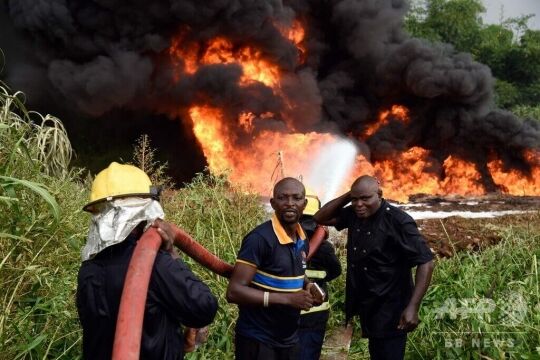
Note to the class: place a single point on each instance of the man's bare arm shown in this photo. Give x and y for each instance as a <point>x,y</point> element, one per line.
<point>239,291</point>
<point>409,318</point>
<point>327,215</point>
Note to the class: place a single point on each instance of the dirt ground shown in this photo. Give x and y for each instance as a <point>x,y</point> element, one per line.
<point>455,233</point>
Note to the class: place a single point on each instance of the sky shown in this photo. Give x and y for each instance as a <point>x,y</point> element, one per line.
<point>512,8</point>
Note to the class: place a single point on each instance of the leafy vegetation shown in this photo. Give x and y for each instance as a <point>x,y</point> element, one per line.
<point>40,235</point>
<point>524,111</point>
<point>42,229</point>
<point>144,158</point>
<point>218,216</point>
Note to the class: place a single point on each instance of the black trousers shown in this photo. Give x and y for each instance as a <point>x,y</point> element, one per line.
<point>311,334</point>
<point>251,349</point>
<point>387,348</point>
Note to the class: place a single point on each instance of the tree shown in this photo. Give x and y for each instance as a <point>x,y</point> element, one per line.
<point>455,22</point>
<point>495,42</point>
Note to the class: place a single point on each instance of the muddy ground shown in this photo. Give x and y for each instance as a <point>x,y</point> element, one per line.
<point>455,233</point>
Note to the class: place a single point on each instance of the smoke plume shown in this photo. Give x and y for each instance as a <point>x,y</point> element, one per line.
<point>100,56</point>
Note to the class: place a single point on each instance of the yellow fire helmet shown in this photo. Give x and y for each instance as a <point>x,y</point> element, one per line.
<point>313,202</point>
<point>120,180</point>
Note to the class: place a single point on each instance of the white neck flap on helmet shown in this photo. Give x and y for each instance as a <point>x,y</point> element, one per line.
<point>116,219</point>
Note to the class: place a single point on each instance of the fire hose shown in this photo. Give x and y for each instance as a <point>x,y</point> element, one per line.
<point>320,234</point>
<point>127,338</point>
<point>199,253</point>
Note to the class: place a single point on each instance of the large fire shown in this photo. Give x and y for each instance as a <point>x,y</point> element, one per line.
<point>259,157</point>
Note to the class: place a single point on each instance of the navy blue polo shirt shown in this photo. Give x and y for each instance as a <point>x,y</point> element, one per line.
<point>280,265</point>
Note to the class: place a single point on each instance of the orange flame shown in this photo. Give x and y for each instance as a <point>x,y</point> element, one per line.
<point>407,174</point>
<point>184,55</point>
<point>461,178</point>
<point>296,33</point>
<point>515,183</point>
<point>411,172</point>
<point>221,51</point>
<point>212,134</point>
<point>252,166</point>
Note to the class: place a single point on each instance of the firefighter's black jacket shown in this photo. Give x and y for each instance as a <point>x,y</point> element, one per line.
<point>175,296</point>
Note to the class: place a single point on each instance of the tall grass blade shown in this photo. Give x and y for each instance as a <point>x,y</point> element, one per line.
<point>36,188</point>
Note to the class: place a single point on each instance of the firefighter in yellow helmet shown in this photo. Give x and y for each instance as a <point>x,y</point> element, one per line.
<point>122,197</point>
<point>123,204</point>
<point>324,266</point>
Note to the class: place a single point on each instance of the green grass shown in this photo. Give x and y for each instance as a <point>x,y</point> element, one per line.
<point>481,305</point>
<point>484,305</point>
<point>218,216</point>
<point>41,233</point>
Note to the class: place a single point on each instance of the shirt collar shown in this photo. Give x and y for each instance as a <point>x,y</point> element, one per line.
<point>282,234</point>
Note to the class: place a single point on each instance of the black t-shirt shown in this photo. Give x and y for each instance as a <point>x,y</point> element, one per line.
<point>281,265</point>
<point>381,250</point>
<point>175,296</point>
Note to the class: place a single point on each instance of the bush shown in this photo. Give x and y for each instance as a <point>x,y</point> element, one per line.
<point>531,112</point>
<point>484,305</point>
<point>506,94</point>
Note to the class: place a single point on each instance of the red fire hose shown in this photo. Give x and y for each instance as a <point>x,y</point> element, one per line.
<point>127,338</point>
<point>321,233</point>
<point>198,253</point>
<point>210,261</point>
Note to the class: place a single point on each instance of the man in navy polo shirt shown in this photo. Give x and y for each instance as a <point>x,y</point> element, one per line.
<point>268,280</point>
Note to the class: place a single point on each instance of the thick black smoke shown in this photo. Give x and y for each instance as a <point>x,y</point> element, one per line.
<point>102,56</point>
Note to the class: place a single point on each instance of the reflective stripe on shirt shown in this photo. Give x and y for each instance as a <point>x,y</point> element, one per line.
<point>315,274</point>
<point>278,283</point>
<point>324,306</point>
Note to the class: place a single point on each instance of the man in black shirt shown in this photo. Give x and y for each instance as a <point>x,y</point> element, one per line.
<point>122,204</point>
<point>383,244</point>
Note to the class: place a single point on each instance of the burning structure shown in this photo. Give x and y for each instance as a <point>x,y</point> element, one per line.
<point>251,78</point>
